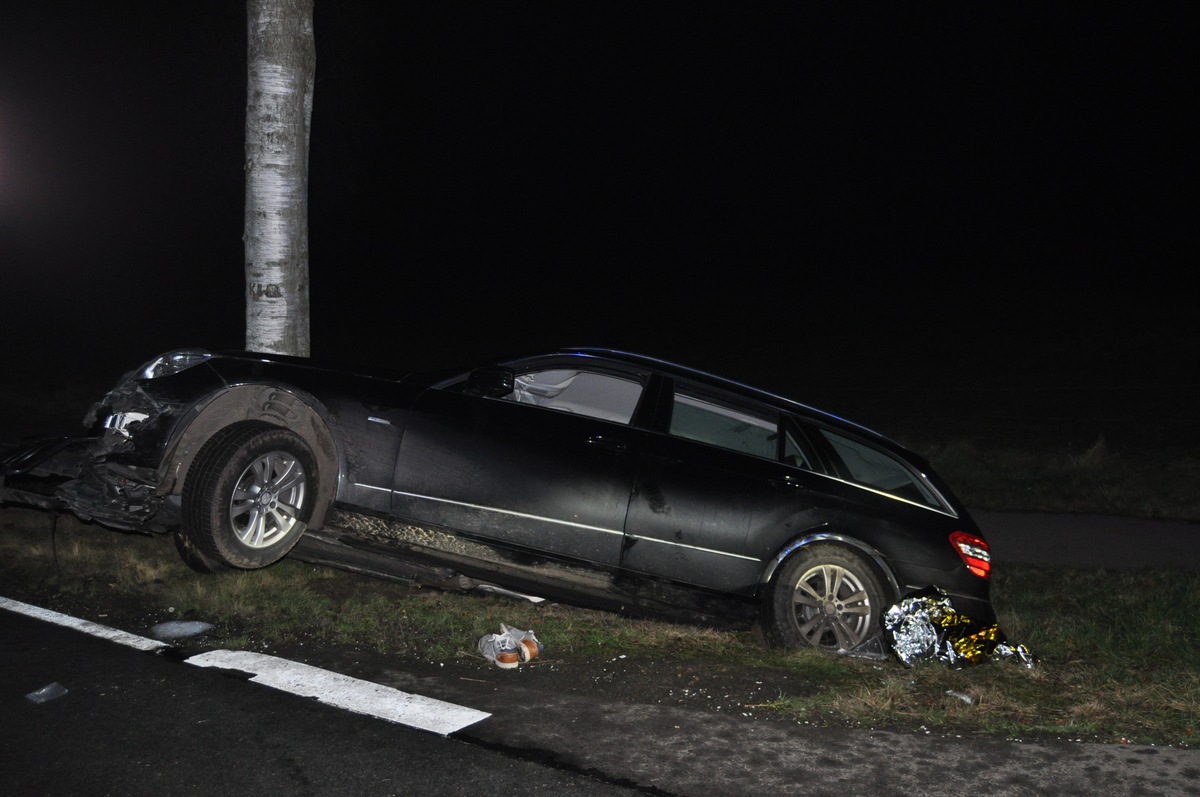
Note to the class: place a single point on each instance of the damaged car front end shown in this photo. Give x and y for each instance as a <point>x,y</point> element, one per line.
<point>112,475</point>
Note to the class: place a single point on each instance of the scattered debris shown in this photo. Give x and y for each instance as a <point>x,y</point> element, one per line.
<point>501,649</point>
<point>510,647</point>
<point>872,648</point>
<point>492,589</point>
<point>179,629</point>
<point>47,693</point>
<point>963,696</point>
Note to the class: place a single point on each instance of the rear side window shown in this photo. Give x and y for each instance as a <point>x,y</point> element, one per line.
<point>881,471</point>
<point>738,429</point>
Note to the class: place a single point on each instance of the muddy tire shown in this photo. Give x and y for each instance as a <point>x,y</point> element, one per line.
<point>249,495</point>
<point>193,557</point>
<point>824,596</point>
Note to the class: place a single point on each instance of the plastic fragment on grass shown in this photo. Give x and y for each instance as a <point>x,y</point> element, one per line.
<point>926,627</point>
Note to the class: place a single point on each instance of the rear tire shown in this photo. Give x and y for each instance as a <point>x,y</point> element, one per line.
<point>824,596</point>
<point>249,495</point>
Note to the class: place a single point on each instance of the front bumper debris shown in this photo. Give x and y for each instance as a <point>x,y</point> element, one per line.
<point>70,474</point>
<point>33,473</point>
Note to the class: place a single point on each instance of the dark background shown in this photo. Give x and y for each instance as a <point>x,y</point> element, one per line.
<point>969,205</point>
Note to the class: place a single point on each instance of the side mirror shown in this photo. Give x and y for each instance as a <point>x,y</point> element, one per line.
<point>493,381</point>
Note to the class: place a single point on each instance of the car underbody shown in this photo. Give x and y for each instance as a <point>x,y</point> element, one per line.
<point>392,549</point>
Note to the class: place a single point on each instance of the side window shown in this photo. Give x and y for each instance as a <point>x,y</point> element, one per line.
<point>597,395</point>
<point>724,425</point>
<point>871,467</point>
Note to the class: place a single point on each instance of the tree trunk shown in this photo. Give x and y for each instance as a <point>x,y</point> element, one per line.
<point>279,94</point>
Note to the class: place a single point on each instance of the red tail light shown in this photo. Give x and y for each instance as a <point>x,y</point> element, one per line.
<point>974,552</point>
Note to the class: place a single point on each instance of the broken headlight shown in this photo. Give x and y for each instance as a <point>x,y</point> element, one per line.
<point>172,363</point>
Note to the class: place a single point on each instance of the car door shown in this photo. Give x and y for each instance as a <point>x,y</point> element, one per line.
<point>720,491</point>
<point>549,467</point>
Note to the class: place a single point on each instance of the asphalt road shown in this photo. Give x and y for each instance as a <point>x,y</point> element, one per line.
<point>135,723</point>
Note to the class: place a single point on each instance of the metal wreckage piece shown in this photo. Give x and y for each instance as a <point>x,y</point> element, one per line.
<point>926,627</point>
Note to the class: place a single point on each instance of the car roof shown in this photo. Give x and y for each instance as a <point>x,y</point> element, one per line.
<point>677,370</point>
<point>628,358</point>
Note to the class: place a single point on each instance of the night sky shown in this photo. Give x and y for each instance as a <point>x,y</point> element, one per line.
<point>795,196</point>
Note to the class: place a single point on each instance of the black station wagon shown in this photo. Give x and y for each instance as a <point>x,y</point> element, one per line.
<point>585,474</point>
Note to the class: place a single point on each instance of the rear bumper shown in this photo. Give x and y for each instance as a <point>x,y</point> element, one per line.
<point>969,594</point>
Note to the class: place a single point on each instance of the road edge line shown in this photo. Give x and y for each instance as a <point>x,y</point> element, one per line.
<point>86,626</point>
<point>304,680</point>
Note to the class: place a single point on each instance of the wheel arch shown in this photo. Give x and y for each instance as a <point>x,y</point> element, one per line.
<point>871,555</point>
<point>272,405</point>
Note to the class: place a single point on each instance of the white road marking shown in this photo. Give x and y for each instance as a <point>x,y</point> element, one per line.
<point>86,626</point>
<point>335,689</point>
<point>343,691</point>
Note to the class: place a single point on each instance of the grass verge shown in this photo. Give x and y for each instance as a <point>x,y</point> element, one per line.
<point>1119,658</point>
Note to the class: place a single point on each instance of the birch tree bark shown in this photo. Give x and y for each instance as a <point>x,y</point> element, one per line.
<point>279,95</point>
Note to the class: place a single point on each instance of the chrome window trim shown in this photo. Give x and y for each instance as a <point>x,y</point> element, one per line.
<point>947,511</point>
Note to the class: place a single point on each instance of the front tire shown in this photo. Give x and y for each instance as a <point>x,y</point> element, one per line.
<point>825,596</point>
<point>249,495</point>
<point>193,557</point>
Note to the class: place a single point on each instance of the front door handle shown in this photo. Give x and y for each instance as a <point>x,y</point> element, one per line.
<point>604,441</point>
